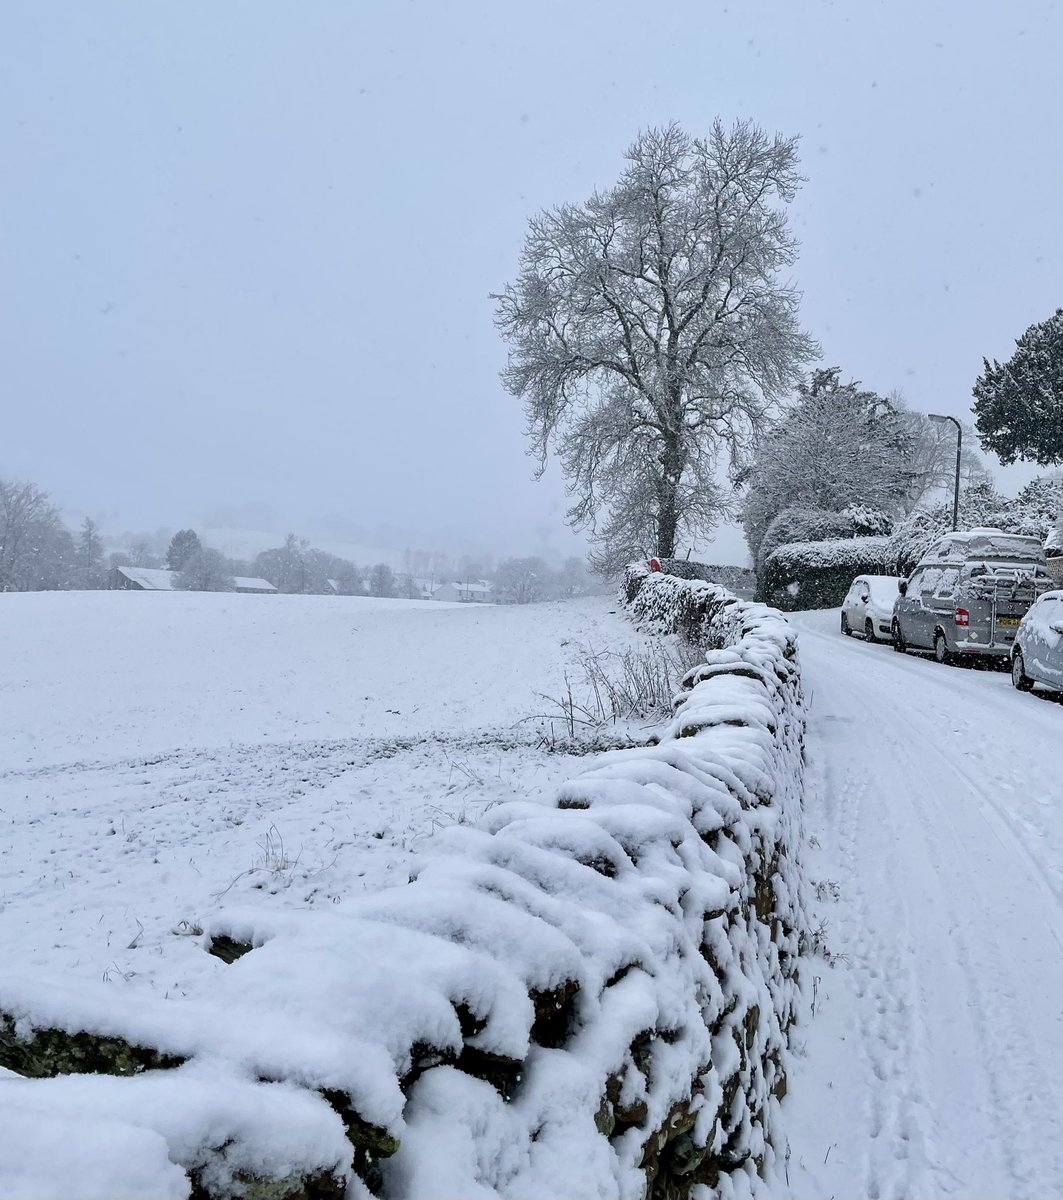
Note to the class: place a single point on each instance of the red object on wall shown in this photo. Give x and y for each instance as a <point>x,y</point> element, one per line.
<point>655,564</point>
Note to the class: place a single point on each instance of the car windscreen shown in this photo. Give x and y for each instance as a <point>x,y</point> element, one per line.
<point>883,590</point>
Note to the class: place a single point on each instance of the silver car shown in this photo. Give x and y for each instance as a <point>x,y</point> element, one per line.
<point>1037,656</point>
<point>968,593</point>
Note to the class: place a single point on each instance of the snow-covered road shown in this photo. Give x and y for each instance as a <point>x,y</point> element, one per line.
<point>934,1064</point>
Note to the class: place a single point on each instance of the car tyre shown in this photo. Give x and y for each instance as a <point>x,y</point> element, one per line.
<point>942,653</point>
<point>899,643</point>
<point>845,626</point>
<point>869,630</point>
<point>1018,673</point>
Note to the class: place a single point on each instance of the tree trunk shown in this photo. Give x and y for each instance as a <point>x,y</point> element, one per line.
<point>667,501</point>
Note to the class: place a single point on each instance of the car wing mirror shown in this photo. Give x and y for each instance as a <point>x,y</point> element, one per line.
<point>902,586</point>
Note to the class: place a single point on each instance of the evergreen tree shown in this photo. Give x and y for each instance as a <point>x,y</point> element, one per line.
<point>1019,406</point>
<point>183,545</point>
<point>90,554</point>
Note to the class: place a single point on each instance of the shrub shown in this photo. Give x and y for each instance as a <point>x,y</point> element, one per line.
<point>818,574</point>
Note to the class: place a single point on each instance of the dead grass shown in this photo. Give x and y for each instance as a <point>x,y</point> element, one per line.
<point>611,687</point>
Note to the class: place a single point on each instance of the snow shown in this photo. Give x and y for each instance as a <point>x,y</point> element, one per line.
<point>189,672</point>
<point>151,579</point>
<point>839,552</point>
<point>158,579</point>
<point>292,753</point>
<point>990,544</point>
<point>883,589</point>
<point>252,583</point>
<point>601,885</point>
<point>44,1156</point>
<point>196,802</point>
<point>935,822</point>
<point>216,1125</point>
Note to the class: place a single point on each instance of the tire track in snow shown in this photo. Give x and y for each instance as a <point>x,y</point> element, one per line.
<point>894,1160</point>
<point>994,997</point>
<point>949,918</point>
<point>926,676</point>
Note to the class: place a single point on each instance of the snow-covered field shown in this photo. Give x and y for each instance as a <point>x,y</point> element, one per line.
<point>933,1064</point>
<point>161,754</point>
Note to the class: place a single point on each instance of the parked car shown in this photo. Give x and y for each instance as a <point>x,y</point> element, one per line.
<point>1037,656</point>
<point>868,606</point>
<point>968,594</point>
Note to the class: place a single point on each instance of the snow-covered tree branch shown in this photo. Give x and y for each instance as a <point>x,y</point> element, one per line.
<point>650,333</point>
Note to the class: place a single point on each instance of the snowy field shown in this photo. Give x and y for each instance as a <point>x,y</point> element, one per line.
<point>932,1066</point>
<point>162,754</point>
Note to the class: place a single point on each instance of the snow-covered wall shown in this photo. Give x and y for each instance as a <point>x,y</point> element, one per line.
<point>589,998</point>
<point>741,581</point>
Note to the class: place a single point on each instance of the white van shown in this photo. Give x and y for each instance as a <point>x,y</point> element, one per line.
<point>968,594</point>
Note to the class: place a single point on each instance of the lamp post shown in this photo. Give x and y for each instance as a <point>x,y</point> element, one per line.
<point>938,419</point>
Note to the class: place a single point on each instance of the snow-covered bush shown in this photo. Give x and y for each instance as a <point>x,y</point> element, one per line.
<point>586,998</point>
<point>1038,508</point>
<point>805,575</point>
<point>802,525</point>
<point>799,525</point>
<point>1032,513</point>
<point>868,522</point>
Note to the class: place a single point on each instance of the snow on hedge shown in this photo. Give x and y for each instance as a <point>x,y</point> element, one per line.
<point>848,552</point>
<point>585,998</point>
<point>805,575</point>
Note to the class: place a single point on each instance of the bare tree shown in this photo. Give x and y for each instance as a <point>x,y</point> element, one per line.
<point>521,580</point>
<point>205,570</point>
<point>35,550</point>
<point>931,465</point>
<point>382,580</point>
<point>649,331</point>
<point>140,553</point>
<point>286,566</point>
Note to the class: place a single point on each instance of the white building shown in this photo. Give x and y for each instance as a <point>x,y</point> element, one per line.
<point>158,579</point>
<point>465,591</point>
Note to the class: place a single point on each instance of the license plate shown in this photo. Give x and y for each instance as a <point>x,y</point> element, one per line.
<point>1008,620</point>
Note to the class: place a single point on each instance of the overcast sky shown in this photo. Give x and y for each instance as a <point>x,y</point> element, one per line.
<point>246,247</point>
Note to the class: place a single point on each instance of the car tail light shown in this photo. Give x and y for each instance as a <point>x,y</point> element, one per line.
<point>963,617</point>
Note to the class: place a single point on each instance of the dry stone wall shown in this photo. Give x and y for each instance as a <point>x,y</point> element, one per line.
<point>588,998</point>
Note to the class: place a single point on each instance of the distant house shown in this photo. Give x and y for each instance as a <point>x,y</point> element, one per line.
<point>252,585</point>
<point>467,591</point>
<point>158,579</point>
<point>142,579</point>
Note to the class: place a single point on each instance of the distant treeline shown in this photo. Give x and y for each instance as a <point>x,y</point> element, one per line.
<point>39,553</point>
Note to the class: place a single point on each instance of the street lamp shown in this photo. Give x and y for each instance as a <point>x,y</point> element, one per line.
<point>938,419</point>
